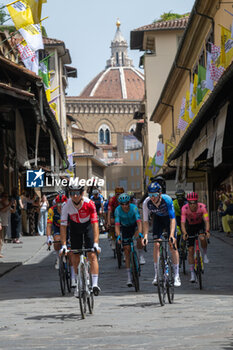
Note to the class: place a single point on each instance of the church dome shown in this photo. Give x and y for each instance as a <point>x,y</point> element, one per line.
<point>119,80</point>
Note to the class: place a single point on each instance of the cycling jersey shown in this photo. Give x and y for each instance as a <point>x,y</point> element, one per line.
<point>98,201</point>
<point>165,208</point>
<point>196,217</point>
<point>86,213</point>
<point>54,218</point>
<point>129,218</point>
<point>112,204</point>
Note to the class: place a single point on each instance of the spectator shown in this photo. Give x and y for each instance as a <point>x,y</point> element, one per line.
<point>36,211</point>
<point>226,197</point>
<point>16,205</point>
<point>5,211</point>
<point>42,224</point>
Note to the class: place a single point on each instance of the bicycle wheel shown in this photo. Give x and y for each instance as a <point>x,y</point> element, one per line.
<point>161,280</point>
<point>118,254</point>
<point>82,291</point>
<point>134,270</point>
<point>62,276</point>
<point>68,275</point>
<point>90,298</point>
<point>199,270</point>
<point>170,282</point>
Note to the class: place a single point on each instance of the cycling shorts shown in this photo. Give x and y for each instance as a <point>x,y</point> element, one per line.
<point>193,230</point>
<point>161,224</point>
<point>78,231</point>
<point>128,232</point>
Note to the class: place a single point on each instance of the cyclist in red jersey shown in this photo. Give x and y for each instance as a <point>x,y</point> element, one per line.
<point>195,219</point>
<point>83,222</point>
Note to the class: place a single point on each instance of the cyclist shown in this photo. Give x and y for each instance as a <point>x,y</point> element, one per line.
<point>53,225</point>
<point>161,181</point>
<point>112,204</point>
<point>195,216</point>
<point>133,200</point>
<point>178,204</point>
<point>98,199</point>
<point>83,222</point>
<point>127,215</point>
<point>161,207</point>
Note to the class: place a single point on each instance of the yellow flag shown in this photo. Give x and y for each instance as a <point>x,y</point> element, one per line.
<point>53,106</point>
<point>21,14</point>
<point>36,8</point>
<point>194,97</point>
<point>226,47</point>
<point>186,111</point>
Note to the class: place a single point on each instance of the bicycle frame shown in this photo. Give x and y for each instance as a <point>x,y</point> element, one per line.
<point>134,263</point>
<point>198,261</point>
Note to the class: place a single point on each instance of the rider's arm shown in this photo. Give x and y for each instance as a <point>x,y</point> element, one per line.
<point>206,219</point>
<point>145,219</point>
<point>183,220</point>
<point>49,222</point>
<point>109,211</point>
<point>172,227</point>
<point>138,220</point>
<point>172,216</point>
<point>94,221</point>
<point>117,221</point>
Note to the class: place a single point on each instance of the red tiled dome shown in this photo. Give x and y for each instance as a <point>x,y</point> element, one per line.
<point>116,83</point>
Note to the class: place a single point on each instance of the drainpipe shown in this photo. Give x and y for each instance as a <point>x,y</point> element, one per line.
<point>206,16</point>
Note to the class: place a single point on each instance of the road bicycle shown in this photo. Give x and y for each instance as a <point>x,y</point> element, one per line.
<point>86,295</point>
<point>119,254</point>
<point>165,273</point>
<point>134,263</point>
<point>64,274</point>
<point>198,261</point>
<point>64,271</point>
<point>183,253</point>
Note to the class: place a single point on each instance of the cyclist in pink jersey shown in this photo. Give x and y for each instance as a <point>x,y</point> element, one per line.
<point>195,219</point>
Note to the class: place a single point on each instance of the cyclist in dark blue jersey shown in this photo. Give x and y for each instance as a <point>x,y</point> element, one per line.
<point>162,209</point>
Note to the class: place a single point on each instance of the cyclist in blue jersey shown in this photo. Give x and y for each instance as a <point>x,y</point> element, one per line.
<point>127,216</point>
<point>161,207</point>
<point>98,199</point>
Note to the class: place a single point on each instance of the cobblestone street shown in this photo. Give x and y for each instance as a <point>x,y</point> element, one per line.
<point>36,316</point>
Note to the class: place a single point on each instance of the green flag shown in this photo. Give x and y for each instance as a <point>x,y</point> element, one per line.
<point>44,72</point>
<point>201,85</point>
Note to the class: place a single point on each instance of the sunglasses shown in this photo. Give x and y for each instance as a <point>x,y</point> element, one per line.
<point>125,203</point>
<point>192,202</point>
<point>77,193</point>
<point>153,194</point>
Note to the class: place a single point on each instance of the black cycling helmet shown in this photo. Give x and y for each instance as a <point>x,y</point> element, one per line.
<point>180,193</point>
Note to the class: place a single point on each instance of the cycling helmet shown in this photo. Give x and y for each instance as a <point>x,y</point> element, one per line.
<point>154,187</point>
<point>119,190</point>
<point>131,194</point>
<point>192,196</point>
<point>76,188</point>
<point>180,193</point>
<point>95,191</point>
<point>124,198</point>
<point>61,198</point>
<point>111,195</point>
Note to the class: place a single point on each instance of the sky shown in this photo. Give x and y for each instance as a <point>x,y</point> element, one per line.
<point>88,27</point>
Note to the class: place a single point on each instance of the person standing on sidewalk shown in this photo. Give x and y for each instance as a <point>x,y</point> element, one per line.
<point>5,211</point>
<point>16,205</point>
<point>42,222</point>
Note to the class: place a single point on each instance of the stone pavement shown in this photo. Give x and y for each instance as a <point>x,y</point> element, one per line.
<point>18,254</point>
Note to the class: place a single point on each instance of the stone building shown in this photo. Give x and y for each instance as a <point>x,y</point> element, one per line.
<point>106,106</point>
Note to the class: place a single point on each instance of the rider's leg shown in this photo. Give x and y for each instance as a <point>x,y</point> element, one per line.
<point>191,262</point>
<point>127,264</point>
<point>204,248</point>
<point>57,247</point>
<point>94,268</point>
<point>140,250</point>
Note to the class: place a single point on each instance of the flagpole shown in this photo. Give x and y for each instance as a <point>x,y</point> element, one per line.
<point>8,37</point>
<point>12,3</point>
<point>228,12</point>
<point>47,57</point>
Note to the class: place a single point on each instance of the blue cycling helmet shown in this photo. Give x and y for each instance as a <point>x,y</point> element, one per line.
<point>123,198</point>
<point>154,187</point>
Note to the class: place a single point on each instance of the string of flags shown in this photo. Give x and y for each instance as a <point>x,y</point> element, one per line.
<point>217,60</point>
